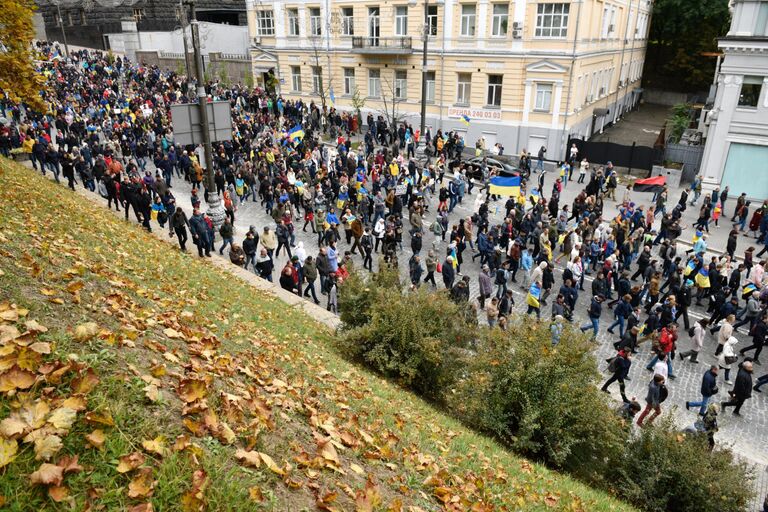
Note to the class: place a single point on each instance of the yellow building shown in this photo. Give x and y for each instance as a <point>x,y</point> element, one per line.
<point>527,73</point>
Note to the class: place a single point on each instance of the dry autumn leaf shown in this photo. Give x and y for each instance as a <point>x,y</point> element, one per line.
<point>173,333</point>
<point>8,450</point>
<point>130,462</point>
<point>96,439</point>
<point>86,331</point>
<point>248,458</point>
<point>48,474</point>
<point>63,418</point>
<point>143,507</point>
<point>95,418</point>
<point>142,485</point>
<point>85,382</point>
<point>46,447</point>
<point>152,392</point>
<point>34,327</point>
<point>16,378</point>
<point>58,493</point>
<point>255,494</point>
<point>156,445</point>
<point>270,463</point>
<point>327,451</point>
<point>70,464</point>
<point>194,499</point>
<point>191,390</point>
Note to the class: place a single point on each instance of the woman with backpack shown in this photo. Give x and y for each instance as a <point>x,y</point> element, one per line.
<point>619,367</point>
<point>697,339</point>
<point>657,393</point>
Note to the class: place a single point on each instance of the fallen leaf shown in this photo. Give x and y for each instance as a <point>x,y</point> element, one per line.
<point>16,378</point>
<point>191,390</point>
<point>63,418</point>
<point>41,347</point>
<point>70,464</point>
<point>58,493</point>
<point>95,418</point>
<point>143,507</point>
<point>48,474</point>
<point>75,286</point>
<point>194,499</point>
<point>85,382</point>
<point>357,469</point>
<point>551,500</point>
<point>248,458</point>
<point>34,327</point>
<point>270,463</point>
<point>86,331</point>
<point>12,427</point>
<point>96,439</point>
<point>76,403</point>
<point>152,392</point>
<point>255,494</point>
<point>46,447</point>
<point>130,462</point>
<point>173,333</point>
<point>142,485</point>
<point>156,445</point>
<point>8,450</point>
<point>327,451</point>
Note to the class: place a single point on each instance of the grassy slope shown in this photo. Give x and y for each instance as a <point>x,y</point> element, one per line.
<point>272,378</point>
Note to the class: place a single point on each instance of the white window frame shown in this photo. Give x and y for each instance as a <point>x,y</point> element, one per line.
<point>401,84</point>
<point>432,20</point>
<point>468,20</point>
<point>265,20</point>
<point>315,22</point>
<point>430,96</point>
<point>464,88</point>
<point>500,21</point>
<point>543,96</point>
<point>546,15</point>
<point>295,78</point>
<point>349,82</point>
<point>761,21</point>
<point>401,20</point>
<point>317,79</point>
<point>494,91</point>
<point>347,21</point>
<point>294,27</point>
<point>374,83</point>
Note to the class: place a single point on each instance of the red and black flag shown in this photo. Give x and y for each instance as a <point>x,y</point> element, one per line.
<point>654,184</point>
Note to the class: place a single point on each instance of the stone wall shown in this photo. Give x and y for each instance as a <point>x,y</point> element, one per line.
<point>235,67</point>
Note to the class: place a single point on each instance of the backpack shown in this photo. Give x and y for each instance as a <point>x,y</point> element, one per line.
<point>501,277</point>
<point>613,364</point>
<point>663,393</point>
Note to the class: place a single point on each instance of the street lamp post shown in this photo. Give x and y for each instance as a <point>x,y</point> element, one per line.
<point>63,32</point>
<point>425,41</point>
<point>215,208</point>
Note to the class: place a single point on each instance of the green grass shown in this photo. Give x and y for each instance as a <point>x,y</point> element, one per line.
<point>258,339</point>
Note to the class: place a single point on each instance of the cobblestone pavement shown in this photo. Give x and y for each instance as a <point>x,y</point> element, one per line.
<point>747,435</point>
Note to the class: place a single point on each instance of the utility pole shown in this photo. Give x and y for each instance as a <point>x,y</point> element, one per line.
<point>63,32</point>
<point>424,72</point>
<point>215,208</point>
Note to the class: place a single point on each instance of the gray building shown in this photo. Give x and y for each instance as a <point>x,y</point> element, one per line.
<point>87,21</point>
<point>736,151</point>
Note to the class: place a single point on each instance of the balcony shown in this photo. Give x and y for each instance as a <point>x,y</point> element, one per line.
<point>382,45</point>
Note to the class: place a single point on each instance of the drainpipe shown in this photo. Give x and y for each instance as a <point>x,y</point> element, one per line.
<point>563,137</point>
<point>442,73</point>
<point>621,64</point>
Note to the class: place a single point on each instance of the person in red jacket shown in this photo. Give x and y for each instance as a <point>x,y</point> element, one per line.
<point>667,342</point>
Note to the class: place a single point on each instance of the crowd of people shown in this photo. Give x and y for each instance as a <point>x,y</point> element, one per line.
<point>109,129</point>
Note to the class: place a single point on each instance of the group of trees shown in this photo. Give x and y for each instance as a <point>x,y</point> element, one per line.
<point>18,79</point>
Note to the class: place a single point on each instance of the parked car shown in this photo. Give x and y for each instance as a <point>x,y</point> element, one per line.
<point>502,168</point>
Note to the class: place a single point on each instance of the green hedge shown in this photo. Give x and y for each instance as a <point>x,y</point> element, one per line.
<point>541,401</point>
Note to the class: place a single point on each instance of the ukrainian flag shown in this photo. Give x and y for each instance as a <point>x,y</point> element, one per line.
<point>702,278</point>
<point>465,119</point>
<point>505,186</point>
<point>689,267</point>
<point>296,133</point>
<point>748,289</point>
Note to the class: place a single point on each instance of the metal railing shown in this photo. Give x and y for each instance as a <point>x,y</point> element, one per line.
<point>384,43</point>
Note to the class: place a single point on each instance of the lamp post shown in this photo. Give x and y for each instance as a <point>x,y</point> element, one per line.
<point>215,208</point>
<point>425,41</point>
<point>61,24</point>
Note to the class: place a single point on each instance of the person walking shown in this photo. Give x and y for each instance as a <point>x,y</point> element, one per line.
<point>657,393</point>
<point>758,333</point>
<point>708,390</point>
<point>697,341</point>
<point>727,357</point>
<point>594,312</point>
<point>742,389</point>
<point>619,366</point>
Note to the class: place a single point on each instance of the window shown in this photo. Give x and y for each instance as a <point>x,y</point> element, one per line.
<point>374,83</point>
<point>761,28</point>
<point>296,78</point>
<point>468,20</point>
<point>401,20</point>
<point>500,20</point>
<point>374,27</point>
<point>315,24</point>
<point>494,90</point>
<point>401,85</point>
<point>349,81</point>
<point>138,14</point>
<point>430,96</point>
<point>70,18</point>
<point>83,21</point>
<point>432,19</point>
<point>317,79</point>
<point>543,97</point>
<point>464,90</point>
<point>552,20</point>
<point>266,23</point>
<point>750,91</point>
<point>347,21</point>
<point>293,22</point>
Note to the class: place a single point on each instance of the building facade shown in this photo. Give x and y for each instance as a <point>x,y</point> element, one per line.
<point>736,150</point>
<point>528,73</point>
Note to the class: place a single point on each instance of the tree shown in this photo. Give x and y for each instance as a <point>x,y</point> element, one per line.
<point>18,78</point>
<point>681,32</point>
<point>320,90</point>
<point>391,101</point>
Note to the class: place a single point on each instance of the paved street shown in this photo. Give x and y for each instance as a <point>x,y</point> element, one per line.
<point>748,434</point>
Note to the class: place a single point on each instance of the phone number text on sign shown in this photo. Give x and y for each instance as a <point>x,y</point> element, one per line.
<point>493,115</point>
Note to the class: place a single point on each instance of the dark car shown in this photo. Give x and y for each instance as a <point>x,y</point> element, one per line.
<point>502,168</point>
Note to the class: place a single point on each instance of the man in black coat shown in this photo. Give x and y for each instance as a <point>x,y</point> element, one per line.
<point>742,388</point>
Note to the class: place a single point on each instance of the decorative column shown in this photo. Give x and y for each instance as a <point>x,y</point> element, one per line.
<point>716,149</point>
<point>558,96</point>
<point>527,100</point>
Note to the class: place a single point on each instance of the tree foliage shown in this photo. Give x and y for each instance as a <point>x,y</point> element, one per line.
<point>681,30</point>
<point>18,77</point>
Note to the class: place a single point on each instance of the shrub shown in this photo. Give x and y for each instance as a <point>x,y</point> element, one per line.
<point>662,469</point>
<point>357,295</point>
<point>541,401</point>
<point>411,338</point>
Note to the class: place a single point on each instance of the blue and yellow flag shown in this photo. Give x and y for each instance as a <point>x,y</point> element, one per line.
<point>465,119</point>
<point>689,267</point>
<point>333,98</point>
<point>505,186</point>
<point>702,278</point>
<point>297,133</point>
<point>748,289</point>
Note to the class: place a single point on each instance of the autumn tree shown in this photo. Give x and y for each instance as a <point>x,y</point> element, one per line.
<point>18,79</point>
<point>681,33</point>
